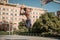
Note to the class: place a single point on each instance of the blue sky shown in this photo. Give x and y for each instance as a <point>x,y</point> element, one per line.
<point>51,7</point>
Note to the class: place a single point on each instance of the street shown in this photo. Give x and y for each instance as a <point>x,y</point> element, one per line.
<point>17,37</point>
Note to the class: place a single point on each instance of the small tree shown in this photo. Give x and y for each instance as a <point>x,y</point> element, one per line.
<point>22,27</point>
<point>47,23</point>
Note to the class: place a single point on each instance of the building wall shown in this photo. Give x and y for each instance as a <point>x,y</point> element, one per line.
<point>3,1</point>
<point>35,14</point>
<point>12,14</point>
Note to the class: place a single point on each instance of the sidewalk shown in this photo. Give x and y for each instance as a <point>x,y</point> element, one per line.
<point>17,37</point>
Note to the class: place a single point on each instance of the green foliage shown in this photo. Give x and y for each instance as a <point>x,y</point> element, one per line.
<point>4,28</point>
<point>22,27</point>
<point>47,23</point>
<point>3,33</point>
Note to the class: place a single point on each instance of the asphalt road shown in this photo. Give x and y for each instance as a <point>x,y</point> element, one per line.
<point>17,37</point>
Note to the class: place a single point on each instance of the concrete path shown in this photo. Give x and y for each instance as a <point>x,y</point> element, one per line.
<point>17,37</point>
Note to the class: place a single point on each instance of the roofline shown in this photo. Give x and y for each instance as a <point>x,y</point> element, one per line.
<point>18,5</point>
<point>9,4</point>
<point>33,7</point>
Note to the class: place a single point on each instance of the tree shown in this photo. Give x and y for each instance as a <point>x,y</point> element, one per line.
<point>22,27</point>
<point>4,26</point>
<point>47,23</point>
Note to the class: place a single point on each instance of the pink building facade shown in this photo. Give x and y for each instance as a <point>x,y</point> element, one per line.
<point>11,13</point>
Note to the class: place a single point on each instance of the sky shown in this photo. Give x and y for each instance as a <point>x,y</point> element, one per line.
<point>50,7</point>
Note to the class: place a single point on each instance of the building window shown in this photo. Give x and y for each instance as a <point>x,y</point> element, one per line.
<point>0,22</point>
<point>15,18</point>
<point>12,14</point>
<point>3,17</point>
<point>36,13</point>
<point>3,13</point>
<point>33,16</point>
<point>3,8</point>
<point>36,16</point>
<point>33,12</point>
<point>15,14</point>
<point>11,18</point>
<point>6,13</point>
<point>16,10</point>
<point>12,10</point>
<point>7,9</point>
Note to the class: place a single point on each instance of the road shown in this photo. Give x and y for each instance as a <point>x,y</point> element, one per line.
<point>17,37</point>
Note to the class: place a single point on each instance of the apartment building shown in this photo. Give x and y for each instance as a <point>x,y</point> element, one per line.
<point>3,1</point>
<point>10,13</point>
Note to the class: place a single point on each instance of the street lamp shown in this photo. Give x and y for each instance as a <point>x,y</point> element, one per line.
<point>12,28</point>
<point>9,28</point>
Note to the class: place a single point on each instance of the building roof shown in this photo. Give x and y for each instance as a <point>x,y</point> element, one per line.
<point>9,4</point>
<point>17,5</point>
